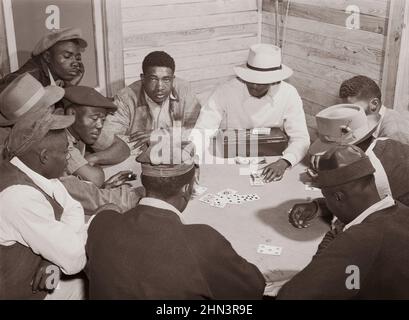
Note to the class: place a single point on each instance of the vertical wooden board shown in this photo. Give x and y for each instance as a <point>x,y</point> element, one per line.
<point>4,66</point>
<point>392,51</point>
<point>142,3</point>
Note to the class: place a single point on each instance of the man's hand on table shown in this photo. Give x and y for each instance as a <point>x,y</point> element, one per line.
<point>275,171</point>
<point>302,214</point>
<point>118,179</point>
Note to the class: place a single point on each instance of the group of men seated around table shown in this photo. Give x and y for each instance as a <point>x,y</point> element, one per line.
<point>57,135</point>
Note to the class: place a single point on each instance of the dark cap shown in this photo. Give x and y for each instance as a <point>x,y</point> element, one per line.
<point>343,164</point>
<point>55,36</point>
<point>87,96</point>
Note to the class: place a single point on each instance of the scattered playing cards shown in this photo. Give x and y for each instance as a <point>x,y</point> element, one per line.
<point>227,196</point>
<point>266,249</point>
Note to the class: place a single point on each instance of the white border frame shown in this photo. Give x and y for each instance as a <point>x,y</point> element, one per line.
<point>98,37</point>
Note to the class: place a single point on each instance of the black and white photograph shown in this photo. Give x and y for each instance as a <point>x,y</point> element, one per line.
<point>226,150</point>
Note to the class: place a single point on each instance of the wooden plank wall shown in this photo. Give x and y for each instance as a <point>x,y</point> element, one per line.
<point>322,51</point>
<point>205,37</point>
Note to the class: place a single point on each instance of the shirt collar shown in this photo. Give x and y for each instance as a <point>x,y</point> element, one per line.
<point>45,184</point>
<point>380,205</point>
<point>157,203</point>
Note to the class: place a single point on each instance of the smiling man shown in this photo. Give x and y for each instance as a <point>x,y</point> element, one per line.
<point>90,109</point>
<point>158,100</point>
<point>56,60</point>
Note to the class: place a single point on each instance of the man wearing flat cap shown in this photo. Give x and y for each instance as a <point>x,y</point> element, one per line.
<point>42,228</point>
<point>348,124</point>
<point>90,109</point>
<point>260,98</point>
<point>366,258</point>
<point>148,253</point>
<point>55,60</point>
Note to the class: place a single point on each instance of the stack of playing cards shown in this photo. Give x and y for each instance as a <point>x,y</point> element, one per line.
<point>227,196</point>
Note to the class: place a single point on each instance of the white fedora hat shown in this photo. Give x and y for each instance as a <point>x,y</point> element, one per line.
<point>342,124</point>
<point>23,94</point>
<point>263,65</point>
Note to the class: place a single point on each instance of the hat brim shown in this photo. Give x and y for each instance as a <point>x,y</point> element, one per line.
<point>319,146</point>
<point>61,122</point>
<point>263,77</point>
<point>52,95</point>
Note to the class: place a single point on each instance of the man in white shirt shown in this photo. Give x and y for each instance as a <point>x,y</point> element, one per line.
<point>42,228</point>
<point>367,256</point>
<point>260,98</point>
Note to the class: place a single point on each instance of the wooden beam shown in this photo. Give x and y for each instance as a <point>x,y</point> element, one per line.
<point>392,51</point>
<point>4,58</point>
<point>401,101</point>
<point>114,59</point>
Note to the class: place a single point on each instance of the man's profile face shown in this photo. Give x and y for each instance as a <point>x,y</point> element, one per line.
<point>64,59</point>
<point>257,90</point>
<point>58,155</point>
<point>88,123</point>
<point>158,83</point>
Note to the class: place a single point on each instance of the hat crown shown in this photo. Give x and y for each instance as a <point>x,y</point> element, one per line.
<point>341,121</point>
<point>340,156</point>
<point>20,96</point>
<point>264,56</point>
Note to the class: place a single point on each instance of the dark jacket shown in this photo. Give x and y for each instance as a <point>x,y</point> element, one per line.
<point>34,66</point>
<point>378,247</point>
<point>147,253</point>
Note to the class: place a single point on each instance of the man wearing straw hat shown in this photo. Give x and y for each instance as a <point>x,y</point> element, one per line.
<point>368,257</point>
<point>348,124</point>
<point>42,227</point>
<point>259,97</point>
<point>56,59</point>
<point>148,253</point>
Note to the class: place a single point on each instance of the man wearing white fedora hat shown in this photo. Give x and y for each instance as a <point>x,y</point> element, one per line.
<point>260,98</point>
<point>348,124</point>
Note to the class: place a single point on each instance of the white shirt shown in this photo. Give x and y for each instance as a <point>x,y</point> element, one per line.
<point>27,217</point>
<point>160,113</point>
<point>386,202</point>
<point>232,107</point>
<point>157,203</point>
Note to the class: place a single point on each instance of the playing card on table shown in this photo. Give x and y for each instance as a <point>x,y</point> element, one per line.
<point>226,192</point>
<point>251,197</point>
<point>207,198</point>
<point>213,200</point>
<point>256,179</point>
<point>234,199</point>
<point>266,249</point>
<point>198,190</point>
<point>261,131</point>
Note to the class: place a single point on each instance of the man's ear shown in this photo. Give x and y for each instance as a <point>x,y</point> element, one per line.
<point>142,76</point>
<point>43,156</point>
<point>70,111</point>
<point>46,56</point>
<point>375,105</point>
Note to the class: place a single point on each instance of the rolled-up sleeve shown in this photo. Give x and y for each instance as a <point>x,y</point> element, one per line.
<point>31,222</point>
<point>295,127</point>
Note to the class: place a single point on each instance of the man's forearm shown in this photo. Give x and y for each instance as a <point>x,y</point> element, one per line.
<point>116,153</point>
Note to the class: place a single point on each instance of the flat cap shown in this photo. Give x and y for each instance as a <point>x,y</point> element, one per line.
<point>87,96</point>
<point>59,35</point>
